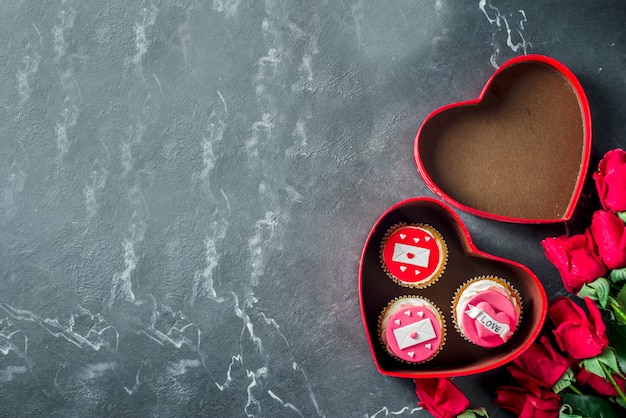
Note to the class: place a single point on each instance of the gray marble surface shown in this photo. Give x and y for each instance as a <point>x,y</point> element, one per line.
<point>186,187</point>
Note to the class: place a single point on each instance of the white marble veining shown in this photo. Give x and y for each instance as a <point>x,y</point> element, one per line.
<point>504,33</point>
<point>186,186</point>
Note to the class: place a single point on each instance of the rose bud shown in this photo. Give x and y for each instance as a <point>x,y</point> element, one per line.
<point>540,365</point>
<point>611,180</point>
<point>440,397</point>
<point>609,234</point>
<point>544,404</point>
<point>580,336</point>
<point>575,258</point>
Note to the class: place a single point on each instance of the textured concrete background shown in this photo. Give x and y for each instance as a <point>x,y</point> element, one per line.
<point>186,187</point>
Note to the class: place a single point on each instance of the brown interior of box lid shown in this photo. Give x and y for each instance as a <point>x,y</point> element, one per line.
<point>518,153</point>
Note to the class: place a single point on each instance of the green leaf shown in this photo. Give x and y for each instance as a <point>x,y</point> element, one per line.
<point>598,290</point>
<point>564,381</point>
<point>621,215</point>
<point>618,275</point>
<point>567,412</point>
<point>481,412</point>
<point>592,365</point>
<point>621,296</point>
<point>617,312</point>
<point>471,413</point>
<point>609,359</point>
<point>617,336</point>
<point>620,402</point>
<point>589,406</point>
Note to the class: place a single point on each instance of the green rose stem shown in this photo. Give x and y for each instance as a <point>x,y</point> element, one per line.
<point>617,309</point>
<point>609,376</point>
<point>566,381</point>
<point>575,389</point>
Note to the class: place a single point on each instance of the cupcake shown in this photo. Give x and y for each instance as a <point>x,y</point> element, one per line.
<point>486,311</point>
<point>412,329</point>
<point>413,255</point>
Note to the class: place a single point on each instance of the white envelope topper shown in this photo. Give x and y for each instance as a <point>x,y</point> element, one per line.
<point>415,333</point>
<point>410,254</point>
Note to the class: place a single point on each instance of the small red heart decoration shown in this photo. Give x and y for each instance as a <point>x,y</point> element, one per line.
<point>457,356</point>
<point>518,153</point>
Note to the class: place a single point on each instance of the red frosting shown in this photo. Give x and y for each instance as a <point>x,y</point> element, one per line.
<point>412,254</point>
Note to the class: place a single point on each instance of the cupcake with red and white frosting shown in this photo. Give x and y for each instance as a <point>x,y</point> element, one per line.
<point>486,311</point>
<point>412,329</point>
<point>413,255</point>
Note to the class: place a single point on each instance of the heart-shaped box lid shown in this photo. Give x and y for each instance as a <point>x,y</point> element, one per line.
<point>457,356</point>
<point>519,152</point>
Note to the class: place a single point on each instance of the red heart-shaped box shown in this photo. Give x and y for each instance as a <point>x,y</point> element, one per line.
<point>458,356</point>
<point>518,153</point>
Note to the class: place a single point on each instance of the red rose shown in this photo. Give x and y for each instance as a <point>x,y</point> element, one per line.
<point>611,180</point>
<point>440,397</point>
<point>546,404</point>
<point>575,258</point>
<point>599,384</point>
<point>579,336</point>
<point>539,366</point>
<point>609,233</point>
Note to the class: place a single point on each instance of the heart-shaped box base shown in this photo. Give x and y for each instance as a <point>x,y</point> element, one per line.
<point>458,356</point>
<point>518,153</point>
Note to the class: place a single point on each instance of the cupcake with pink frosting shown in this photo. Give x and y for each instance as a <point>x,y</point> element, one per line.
<point>412,329</point>
<point>486,311</point>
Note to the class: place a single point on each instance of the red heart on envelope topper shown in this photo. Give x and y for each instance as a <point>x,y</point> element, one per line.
<point>457,356</point>
<point>518,153</point>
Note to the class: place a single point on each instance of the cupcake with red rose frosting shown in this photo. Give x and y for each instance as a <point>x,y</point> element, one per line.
<point>413,255</point>
<point>412,329</point>
<point>486,311</point>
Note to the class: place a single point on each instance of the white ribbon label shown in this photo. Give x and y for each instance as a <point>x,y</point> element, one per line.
<point>503,330</point>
